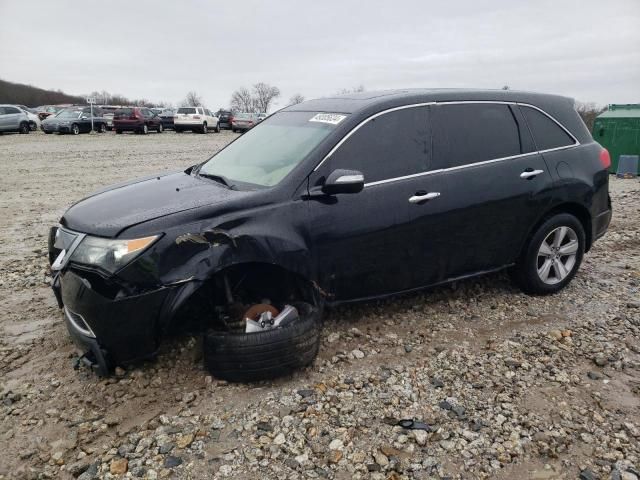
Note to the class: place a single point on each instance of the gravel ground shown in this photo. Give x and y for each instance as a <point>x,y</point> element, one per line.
<point>509,386</point>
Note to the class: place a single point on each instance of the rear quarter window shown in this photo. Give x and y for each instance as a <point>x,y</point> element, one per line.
<point>122,112</point>
<point>474,132</point>
<point>547,134</point>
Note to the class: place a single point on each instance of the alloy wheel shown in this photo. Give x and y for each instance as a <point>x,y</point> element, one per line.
<point>557,255</point>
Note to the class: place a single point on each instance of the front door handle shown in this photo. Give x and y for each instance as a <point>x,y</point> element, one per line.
<point>530,173</point>
<point>423,198</point>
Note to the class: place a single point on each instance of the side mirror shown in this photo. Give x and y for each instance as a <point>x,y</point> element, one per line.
<point>343,181</point>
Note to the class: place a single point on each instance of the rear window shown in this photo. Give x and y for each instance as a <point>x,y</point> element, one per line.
<point>123,112</point>
<point>471,133</point>
<point>187,110</point>
<point>243,116</point>
<point>546,132</point>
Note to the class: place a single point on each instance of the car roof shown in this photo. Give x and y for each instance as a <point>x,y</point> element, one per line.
<point>355,102</point>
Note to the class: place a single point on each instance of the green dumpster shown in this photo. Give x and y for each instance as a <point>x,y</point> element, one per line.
<point>618,130</point>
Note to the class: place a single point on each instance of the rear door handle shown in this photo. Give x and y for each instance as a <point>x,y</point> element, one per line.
<point>531,173</point>
<point>423,198</point>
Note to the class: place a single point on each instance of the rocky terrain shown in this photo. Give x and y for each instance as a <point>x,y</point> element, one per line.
<point>500,385</point>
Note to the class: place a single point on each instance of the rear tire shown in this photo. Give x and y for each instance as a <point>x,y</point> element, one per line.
<point>217,129</point>
<point>249,357</point>
<point>118,131</point>
<point>75,129</point>
<point>145,129</point>
<point>160,128</point>
<point>177,130</point>
<point>24,127</point>
<point>204,128</point>
<point>102,128</point>
<point>551,257</point>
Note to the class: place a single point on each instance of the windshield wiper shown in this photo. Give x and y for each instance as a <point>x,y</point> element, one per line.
<point>217,178</point>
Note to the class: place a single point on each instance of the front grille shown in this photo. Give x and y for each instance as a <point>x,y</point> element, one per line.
<point>79,323</point>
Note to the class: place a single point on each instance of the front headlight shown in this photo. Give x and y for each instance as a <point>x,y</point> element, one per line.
<point>110,255</point>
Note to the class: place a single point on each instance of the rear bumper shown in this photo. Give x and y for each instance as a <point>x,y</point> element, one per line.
<point>601,223</point>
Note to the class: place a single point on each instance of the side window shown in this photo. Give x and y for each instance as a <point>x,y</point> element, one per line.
<point>9,110</point>
<point>546,133</point>
<point>200,111</point>
<point>2,111</point>
<point>392,145</point>
<point>474,132</point>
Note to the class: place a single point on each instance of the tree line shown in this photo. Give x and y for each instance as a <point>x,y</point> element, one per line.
<point>30,96</point>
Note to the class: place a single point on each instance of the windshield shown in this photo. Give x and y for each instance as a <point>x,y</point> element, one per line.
<point>69,114</point>
<point>267,153</point>
<point>186,110</point>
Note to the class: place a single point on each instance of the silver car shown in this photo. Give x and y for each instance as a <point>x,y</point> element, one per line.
<point>12,119</point>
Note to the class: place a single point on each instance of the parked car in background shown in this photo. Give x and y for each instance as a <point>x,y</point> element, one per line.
<point>34,119</point>
<point>74,121</point>
<point>166,116</point>
<point>13,119</point>
<point>136,119</point>
<point>107,113</point>
<point>244,121</point>
<point>225,118</point>
<point>196,119</point>
<point>46,110</point>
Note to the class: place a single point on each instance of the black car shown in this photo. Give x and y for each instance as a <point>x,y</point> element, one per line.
<point>166,116</point>
<point>225,117</point>
<point>75,121</point>
<point>325,202</point>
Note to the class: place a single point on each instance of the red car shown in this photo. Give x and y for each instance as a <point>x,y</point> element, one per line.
<point>136,119</point>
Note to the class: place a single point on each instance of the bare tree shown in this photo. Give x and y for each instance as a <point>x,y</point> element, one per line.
<point>358,89</point>
<point>192,100</point>
<point>506,87</point>
<point>263,96</point>
<point>241,100</point>
<point>296,99</point>
<point>588,112</point>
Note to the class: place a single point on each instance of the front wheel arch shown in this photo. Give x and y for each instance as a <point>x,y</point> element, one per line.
<point>194,303</point>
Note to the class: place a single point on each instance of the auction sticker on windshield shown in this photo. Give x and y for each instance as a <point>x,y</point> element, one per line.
<point>332,118</point>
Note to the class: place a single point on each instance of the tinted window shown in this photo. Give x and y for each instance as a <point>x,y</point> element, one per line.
<point>123,112</point>
<point>187,110</point>
<point>11,110</point>
<point>266,154</point>
<point>389,146</point>
<point>475,132</point>
<point>546,133</point>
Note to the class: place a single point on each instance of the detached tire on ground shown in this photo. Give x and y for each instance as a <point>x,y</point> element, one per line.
<point>249,357</point>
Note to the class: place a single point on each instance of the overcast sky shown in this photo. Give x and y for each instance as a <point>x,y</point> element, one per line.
<point>587,49</point>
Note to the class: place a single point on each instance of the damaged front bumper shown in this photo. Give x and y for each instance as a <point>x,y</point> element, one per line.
<point>112,331</point>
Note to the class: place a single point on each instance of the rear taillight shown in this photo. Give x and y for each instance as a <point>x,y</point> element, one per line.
<point>605,158</point>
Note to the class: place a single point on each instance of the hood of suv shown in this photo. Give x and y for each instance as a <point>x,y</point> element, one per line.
<point>108,212</point>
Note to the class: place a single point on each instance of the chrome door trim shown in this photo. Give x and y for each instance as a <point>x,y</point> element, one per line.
<point>459,167</point>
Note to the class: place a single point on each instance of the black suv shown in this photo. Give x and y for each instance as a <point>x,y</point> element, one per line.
<point>330,201</point>
<point>225,117</point>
